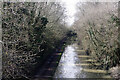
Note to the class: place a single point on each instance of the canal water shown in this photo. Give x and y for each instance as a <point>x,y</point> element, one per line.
<point>75,63</point>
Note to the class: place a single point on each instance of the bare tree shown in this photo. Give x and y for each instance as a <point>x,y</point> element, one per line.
<point>98,31</point>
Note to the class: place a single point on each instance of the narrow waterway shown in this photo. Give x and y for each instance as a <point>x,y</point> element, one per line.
<point>75,63</point>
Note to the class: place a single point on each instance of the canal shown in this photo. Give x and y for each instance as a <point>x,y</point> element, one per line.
<point>74,63</point>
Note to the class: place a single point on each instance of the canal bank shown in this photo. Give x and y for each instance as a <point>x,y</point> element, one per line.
<point>47,67</point>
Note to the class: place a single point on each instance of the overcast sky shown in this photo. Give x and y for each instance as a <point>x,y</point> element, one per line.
<point>71,10</point>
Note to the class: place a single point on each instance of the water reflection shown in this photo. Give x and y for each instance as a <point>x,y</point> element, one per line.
<point>67,67</point>
<point>75,64</point>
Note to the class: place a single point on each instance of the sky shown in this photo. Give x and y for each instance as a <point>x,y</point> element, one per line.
<point>70,6</point>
